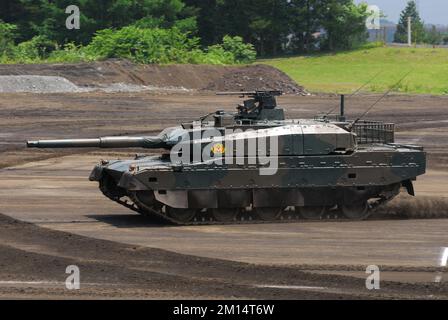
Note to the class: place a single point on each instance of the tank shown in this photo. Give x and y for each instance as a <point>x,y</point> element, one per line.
<point>254,165</point>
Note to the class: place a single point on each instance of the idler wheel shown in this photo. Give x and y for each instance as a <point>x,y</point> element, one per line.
<point>312,212</point>
<point>225,214</point>
<point>146,197</point>
<point>145,201</point>
<point>181,214</point>
<point>108,186</point>
<point>358,211</point>
<point>268,214</point>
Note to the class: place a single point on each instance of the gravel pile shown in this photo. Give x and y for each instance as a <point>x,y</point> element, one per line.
<point>53,84</point>
<point>37,84</point>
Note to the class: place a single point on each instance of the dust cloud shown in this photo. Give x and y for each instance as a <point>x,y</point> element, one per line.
<point>415,208</point>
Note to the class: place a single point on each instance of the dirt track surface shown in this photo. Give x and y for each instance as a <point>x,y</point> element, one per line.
<point>34,261</point>
<point>143,259</point>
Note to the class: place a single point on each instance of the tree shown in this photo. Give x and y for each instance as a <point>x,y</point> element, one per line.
<point>7,35</point>
<point>433,36</point>
<point>272,26</point>
<point>208,18</point>
<point>263,23</point>
<point>417,27</point>
<point>47,17</point>
<point>269,25</point>
<point>304,22</point>
<point>344,23</point>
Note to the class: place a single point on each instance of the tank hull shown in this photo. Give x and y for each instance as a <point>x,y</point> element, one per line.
<point>230,192</point>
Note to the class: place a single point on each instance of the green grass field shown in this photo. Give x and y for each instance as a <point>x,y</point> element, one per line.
<point>346,71</point>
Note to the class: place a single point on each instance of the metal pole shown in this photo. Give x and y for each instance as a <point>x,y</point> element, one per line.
<point>342,111</point>
<point>409,31</point>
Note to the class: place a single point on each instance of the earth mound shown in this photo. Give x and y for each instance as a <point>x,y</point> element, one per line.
<point>122,74</point>
<point>255,77</point>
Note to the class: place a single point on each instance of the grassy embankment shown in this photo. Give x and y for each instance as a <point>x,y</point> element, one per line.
<point>345,72</point>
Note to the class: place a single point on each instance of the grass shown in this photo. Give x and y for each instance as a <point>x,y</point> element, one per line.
<point>345,72</point>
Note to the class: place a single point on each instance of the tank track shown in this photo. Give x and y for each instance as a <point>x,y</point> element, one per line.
<point>206,218</point>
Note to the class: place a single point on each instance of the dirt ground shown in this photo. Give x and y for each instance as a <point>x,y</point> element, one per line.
<point>53,217</point>
<point>34,260</point>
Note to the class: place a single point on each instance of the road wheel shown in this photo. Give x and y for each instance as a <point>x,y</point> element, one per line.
<point>268,214</point>
<point>180,214</point>
<point>312,212</point>
<point>357,211</point>
<point>225,214</point>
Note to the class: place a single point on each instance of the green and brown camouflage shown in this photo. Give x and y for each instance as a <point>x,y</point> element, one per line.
<point>255,165</point>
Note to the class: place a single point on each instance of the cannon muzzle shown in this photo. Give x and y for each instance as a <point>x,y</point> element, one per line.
<point>105,142</point>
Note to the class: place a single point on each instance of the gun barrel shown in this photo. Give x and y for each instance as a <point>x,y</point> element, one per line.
<point>261,93</point>
<point>235,93</point>
<point>105,142</point>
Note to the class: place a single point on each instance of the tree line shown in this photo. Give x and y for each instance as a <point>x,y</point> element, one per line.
<point>284,26</point>
<point>419,33</point>
<point>273,27</point>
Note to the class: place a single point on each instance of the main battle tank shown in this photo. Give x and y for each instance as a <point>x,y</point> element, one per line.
<point>256,166</point>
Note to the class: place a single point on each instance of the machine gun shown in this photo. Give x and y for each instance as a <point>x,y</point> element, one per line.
<point>259,101</point>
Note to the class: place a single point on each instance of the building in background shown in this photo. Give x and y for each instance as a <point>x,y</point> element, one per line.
<point>385,33</point>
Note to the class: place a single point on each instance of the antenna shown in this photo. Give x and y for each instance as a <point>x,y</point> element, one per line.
<point>357,90</point>
<point>350,126</point>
